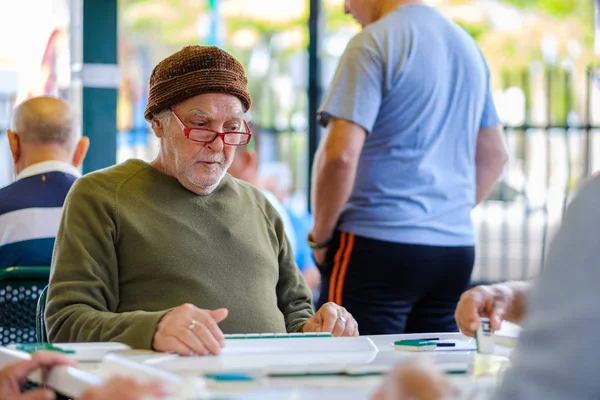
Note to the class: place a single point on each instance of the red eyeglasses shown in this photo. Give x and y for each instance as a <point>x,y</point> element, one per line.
<point>202,135</point>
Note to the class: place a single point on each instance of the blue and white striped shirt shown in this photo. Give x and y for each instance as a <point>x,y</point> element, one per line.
<point>30,212</point>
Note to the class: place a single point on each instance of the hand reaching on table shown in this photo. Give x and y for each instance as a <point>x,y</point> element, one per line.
<point>499,302</point>
<point>188,330</point>
<point>14,376</point>
<point>415,379</point>
<point>124,389</point>
<point>332,318</point>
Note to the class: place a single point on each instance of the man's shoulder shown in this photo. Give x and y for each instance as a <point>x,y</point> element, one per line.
<point>8,197</point>
<point>585,202</point>
<point>250,194</point>
<point>36,191</point>
<point>244,188</point>
<point>111,177</point>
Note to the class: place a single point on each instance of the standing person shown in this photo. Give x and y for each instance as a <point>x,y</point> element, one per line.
<point>413,142</point>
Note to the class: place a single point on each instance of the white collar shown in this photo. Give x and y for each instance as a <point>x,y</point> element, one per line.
<point>48,166</point>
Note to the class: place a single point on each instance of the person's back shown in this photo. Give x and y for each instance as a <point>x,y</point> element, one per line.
<point>416,178</point>
<point>45,152</point>
<point>30,212</point>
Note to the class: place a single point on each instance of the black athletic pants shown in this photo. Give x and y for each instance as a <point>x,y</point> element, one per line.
<point>393,288</point>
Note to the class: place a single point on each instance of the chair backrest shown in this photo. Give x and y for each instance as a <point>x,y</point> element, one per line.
<point>20,289</point>
<point>40,322</point>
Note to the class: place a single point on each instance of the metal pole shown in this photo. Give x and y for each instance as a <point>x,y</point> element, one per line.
<point>549,104</point>
<point>526,84</point>
<point>314,86</point>
<point>213,35</point>
<point>597,26</point>
<point>587,155</point>
<point>100,80</point>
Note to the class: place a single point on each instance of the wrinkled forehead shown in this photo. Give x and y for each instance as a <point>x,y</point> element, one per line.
<point>214,106</point>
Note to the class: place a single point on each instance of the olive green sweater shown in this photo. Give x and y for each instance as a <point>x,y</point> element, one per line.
<point>134,243</point>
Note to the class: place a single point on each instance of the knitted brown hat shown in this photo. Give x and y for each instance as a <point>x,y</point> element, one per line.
<point>192,71</point>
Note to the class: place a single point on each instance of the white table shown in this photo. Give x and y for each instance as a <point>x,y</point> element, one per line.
<point>309,387</point>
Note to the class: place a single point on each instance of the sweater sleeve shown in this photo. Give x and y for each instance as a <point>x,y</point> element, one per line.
<point>83,294</point>
<point>294,297</point>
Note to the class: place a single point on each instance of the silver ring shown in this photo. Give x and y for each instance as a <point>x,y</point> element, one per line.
<point>192,325</point>
<point>342,319</point>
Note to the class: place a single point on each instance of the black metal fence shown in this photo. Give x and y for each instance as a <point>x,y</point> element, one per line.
<point>553,140</point>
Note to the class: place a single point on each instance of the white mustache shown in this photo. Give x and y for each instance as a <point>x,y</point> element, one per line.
<point>216,160</point>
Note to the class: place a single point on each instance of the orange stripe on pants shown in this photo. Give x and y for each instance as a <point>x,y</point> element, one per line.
<point>342,275</point>
<point>336,267</point>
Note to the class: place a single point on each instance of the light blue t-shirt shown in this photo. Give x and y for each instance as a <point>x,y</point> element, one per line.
<point>419,85</point>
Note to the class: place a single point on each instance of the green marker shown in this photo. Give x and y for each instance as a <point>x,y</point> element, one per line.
<point>414,345</point>
<point>230,376</point>
<point>34,347</point>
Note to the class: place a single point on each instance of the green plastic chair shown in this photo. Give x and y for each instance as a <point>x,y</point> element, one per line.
<point>40,322</point>
<point>20,289</point>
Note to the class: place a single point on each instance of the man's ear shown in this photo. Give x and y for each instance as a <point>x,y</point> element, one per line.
<point>158,128</point>
<point>15,145</point>
<point>80,151</point>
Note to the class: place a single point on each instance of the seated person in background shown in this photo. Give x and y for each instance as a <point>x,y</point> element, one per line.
<point>171,254</point>
<point>277,178</point>
<point>245,167</point>
<point>46,152</point>
<point>555,357</point>
<point>13,377</point>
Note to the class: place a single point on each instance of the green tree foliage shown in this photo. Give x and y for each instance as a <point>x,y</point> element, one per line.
<point>557,8</point>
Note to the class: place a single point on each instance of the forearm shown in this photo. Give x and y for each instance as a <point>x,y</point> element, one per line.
<point>517,292</point>
<point>332,186</point>
<point>488,174</point>
<point>82,323</point>
<point>490,157</point>
<point>298,311</point>
<point>294,297</point>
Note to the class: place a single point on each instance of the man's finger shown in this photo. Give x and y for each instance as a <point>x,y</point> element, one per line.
<point>329,317</point>
<point>212,324</point>
<point>190,338</point>
<point>21,370</point>
<point>206,336</point>
<point>351,327</point>
<point>172,344</point>
<point>466,314</point>
<point>37,394</point>
<point>51,358</point>
<point>219,314</point>
<point>339,327</point>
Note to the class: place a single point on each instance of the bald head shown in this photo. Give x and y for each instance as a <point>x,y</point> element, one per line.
<point>44,120</point>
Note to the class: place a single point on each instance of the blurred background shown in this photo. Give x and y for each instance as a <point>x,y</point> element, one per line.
<point>542,55</point>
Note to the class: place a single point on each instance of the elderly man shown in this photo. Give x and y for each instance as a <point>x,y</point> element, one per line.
<point>47,152</point>
<point>171,254</point>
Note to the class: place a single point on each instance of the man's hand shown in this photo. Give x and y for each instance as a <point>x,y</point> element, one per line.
<point>503,301</point>
<point>332,318</point>
<point>124,389</point>
<point>415,379</point>
<point>188,330</point>
<point>319,255</point>
<point>499,302</point>
<point>14,376</point>
<point>481,301</point>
